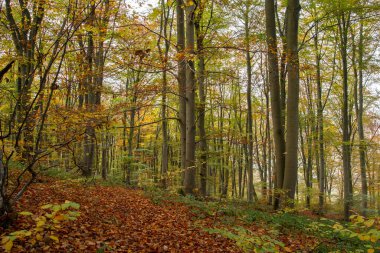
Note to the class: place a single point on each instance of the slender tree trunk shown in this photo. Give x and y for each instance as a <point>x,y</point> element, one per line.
<point>358,94</point>
<point>165,146</point>
<point>304,165</point>
<point>251,190</point>
<point>221,146</point>
<point>269,145</point>
<point>5,206</point>
<point>273,77</point>
<point>291,158</point>
<point>90,100</point>
<point>189,183</point>
<point>182,81</point>
<point>283,64</point>
<point>105,155</point>
<point>164,58</point>
<point>133,80</point>
<point>343,25</point>
<point>240,173</point>
<point>321,151</point>
<point>362,146</point>
<point>128,179</point>
<point>202,105</point>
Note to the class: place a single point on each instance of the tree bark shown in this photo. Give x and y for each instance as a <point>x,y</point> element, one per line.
<point>105,154</point>
<point>250,189</point>
<point>164,58</point>
<point>291,158</point>
<point>321,151</point>
<point>275,94</point>
<point>202,104</point>
<point>181,81</point>
<point>358,95</point>
<point>189,182</point>
<point>343,25</point>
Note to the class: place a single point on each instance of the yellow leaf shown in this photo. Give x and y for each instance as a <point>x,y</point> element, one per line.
<point>39,237</point>
<point>40,229</point>
<point>40,223</point>
<point>54,238</point>
<point>369,223</point>
<point>364,237</point>
<point>367,238</point>
<point>287,249</point>
<point>5,239</point>
<point>360,219</point>
<point>370,250</point>
<point>8,246</point>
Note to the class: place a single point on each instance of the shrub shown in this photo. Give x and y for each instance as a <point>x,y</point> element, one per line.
<point>45,224</point>
<point>250,242</point>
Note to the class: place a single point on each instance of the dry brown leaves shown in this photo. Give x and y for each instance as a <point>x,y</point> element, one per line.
<point>115,219</point>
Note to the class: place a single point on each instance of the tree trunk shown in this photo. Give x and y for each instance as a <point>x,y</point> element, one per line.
<point>90,100</point>
<point>291,158</point>
<point>359,115</point>
<point>202,105</point>
<point>165,146</point>
<point>128,179</point>
<point>5,206</point>
<point>182,81</point>
<point>189,183</point>
<point>321,151</point>
<point>362,146</point>
<point>278,133</point>
<point>105,155</point>
<point>251,190</point>
<point>164,56</point>
<point>343,25</point>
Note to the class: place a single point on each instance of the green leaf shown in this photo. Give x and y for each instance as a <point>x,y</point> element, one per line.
<point>21,233</point>
<point>65,205</point>
<point>56,208</point>
<point>75,205</point>
<point>46,206</point>
<point>74,213</point>
<point>25,213</point>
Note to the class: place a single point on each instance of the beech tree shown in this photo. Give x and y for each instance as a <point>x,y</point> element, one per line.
<point>189,182</point>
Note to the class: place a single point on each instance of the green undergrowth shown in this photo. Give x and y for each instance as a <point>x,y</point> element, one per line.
<point>249,241</point>
<point>75,175</point>
<point>230,217</point>
<point>60,174</point>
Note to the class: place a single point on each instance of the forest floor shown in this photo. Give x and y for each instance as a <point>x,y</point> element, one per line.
<point>116,219</point>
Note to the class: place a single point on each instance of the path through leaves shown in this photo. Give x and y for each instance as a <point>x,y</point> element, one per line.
<point>115,219</point>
